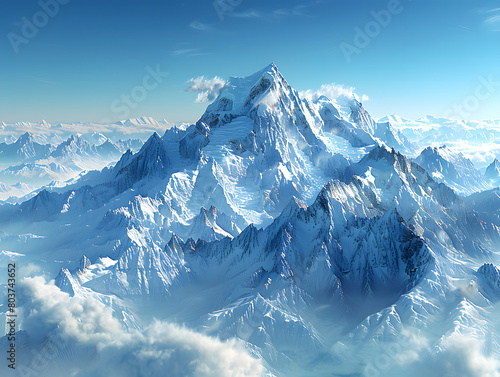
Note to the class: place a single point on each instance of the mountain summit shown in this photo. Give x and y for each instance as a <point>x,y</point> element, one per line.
<point>493,170</point>
<point>454,169</point>
<point>25,148</point>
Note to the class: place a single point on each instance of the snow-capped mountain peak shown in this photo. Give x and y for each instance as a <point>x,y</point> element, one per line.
<point>25,138</point>
<point>142,121</point>
<point>151,161</point>
<point>74,147</point>
<point>493,170</point>
<point>242,94</point>
<point>211,225</point>
<point>24,148</point>
<point>394,119</point>
<point>489,278</point>
<point>452,168</point>
<point>390,155</point>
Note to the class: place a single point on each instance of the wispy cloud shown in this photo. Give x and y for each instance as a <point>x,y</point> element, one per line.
<point>295,11</point>
<point>494,10</point>
<point>183,51</point>
<point>188,52</point>
<point>197,25</point>
<point>332,92</point>
<point>493,19</point>
<point>207,89</point>
<point>461,28</point>
<point>250,13</point>
<point>270,14</point>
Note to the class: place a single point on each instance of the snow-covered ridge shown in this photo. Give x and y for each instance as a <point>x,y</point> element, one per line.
<point>489,276</point>
<point>493,171</point>
<point>28,163</point>
<point>452,168</point>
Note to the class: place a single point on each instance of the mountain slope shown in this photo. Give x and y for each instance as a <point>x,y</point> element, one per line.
<point>23,149</point>
<point>493,171</point>
<point>452,168</point>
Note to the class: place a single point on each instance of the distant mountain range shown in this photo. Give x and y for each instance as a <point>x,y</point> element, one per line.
<point>31,164</point>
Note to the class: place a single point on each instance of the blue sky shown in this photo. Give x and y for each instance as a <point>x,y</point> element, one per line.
<point>431,57</point>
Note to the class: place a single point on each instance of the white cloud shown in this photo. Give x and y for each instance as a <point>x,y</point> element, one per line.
<point>30,269</point>
<point>295,11</point>
<point>332,91</point>
<point>455,355</point>
<point>88,324</point>
<point>85,320</point>
<point>250,13</point>
<point>417,354</point>
<point>493,19</point>
<point>197,25</point>
<point>463,356</point>
<point>185,51</point>
<point>207,89</point>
